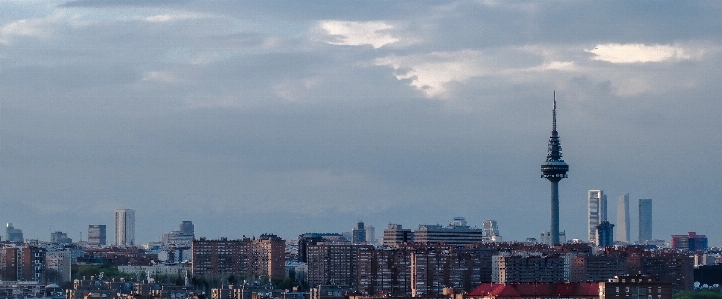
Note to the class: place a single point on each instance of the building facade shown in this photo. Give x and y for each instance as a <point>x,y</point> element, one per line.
<point>125,227</point>
<point>334,264</point>
<point>264,256</point>
<point>635,287</point>
<point>605,234</point>
<point>691,241</point>
<point>596,268</point>
<point>623,218</point>
<point>60,238</point>
<point>22,263</point>
<point>395,234</point>
<point>358,233</point>
<point>457,233</point>
<point>59,261</point>
<point>596,212</point>
<point>491,230</point>
<point>528,268</point>
<point>580,290</point>
<point>645,219</point>
<point>13,234</point>
<point>97,235</point>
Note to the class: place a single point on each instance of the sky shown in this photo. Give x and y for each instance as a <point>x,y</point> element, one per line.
<point>288,117</point>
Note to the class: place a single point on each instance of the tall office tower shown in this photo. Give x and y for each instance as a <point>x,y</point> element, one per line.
<point>187,228</point>
<point>124,227</point>
<point>596,212</point>
<point>554,170</point>
<point>645,219</point>
<point>358,234</point>
<point>623,218</point>
<point>96,234</point>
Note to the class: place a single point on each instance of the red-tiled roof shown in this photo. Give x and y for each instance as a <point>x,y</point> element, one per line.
<point>585,289</point>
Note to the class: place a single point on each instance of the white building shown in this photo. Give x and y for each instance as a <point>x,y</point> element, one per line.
<point>491,231</point>
<point>622,225</point>
<point>125,227</point>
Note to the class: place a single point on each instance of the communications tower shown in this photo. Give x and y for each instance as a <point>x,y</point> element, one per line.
<point>554,170</point>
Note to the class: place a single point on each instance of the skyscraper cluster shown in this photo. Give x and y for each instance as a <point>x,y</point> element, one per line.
<point>597,218</point>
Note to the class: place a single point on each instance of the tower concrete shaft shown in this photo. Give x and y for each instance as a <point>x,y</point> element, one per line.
<point>554,229</point>
<point>554,170</point>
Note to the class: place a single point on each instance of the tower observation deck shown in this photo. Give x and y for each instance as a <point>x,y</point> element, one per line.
<point>554,170</point>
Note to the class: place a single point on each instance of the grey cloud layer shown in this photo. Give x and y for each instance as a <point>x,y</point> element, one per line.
<point>226,113</point>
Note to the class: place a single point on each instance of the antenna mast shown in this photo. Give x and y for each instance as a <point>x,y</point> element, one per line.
<point>554,113</point>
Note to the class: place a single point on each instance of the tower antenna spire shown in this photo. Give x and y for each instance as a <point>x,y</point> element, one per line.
<point>554,113</point>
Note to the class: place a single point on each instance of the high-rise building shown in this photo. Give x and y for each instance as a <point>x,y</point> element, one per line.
<point>645,219</point>
<point>60,238</point>
<point>691,241</point>
<point>182,238</point>
<point>334,264</point>
<point>22,263</point>
<point>264,256</point>
<point>124,227</point>
<point>528,268</point>
<point>597,267</point>
<point>596,212</point>
<point>605,234</point>
<point>187,228</point>
<point>358,234</point>
<point>370,234</point>
<point>457,233</point>
<point>96,234</point>
<point>13,234</point>
<point>491,230</point>
<point>623,218</point>
<point>395,234</point>
<point>554,170</point>
<point>309,239</point>
<point>59,261</point>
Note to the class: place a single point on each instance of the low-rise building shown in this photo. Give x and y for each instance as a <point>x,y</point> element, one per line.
<point>635,287</point>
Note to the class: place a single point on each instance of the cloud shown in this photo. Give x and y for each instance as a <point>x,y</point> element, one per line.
<point>359,33</point>
<point>636,53</point>
<point>22,28</point>
<point>164,18</point>
<point>554,66</point>
<point>159,76</point>
<point>430,73</point>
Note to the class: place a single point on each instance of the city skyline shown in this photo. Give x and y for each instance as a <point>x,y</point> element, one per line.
<point>317,114</point>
